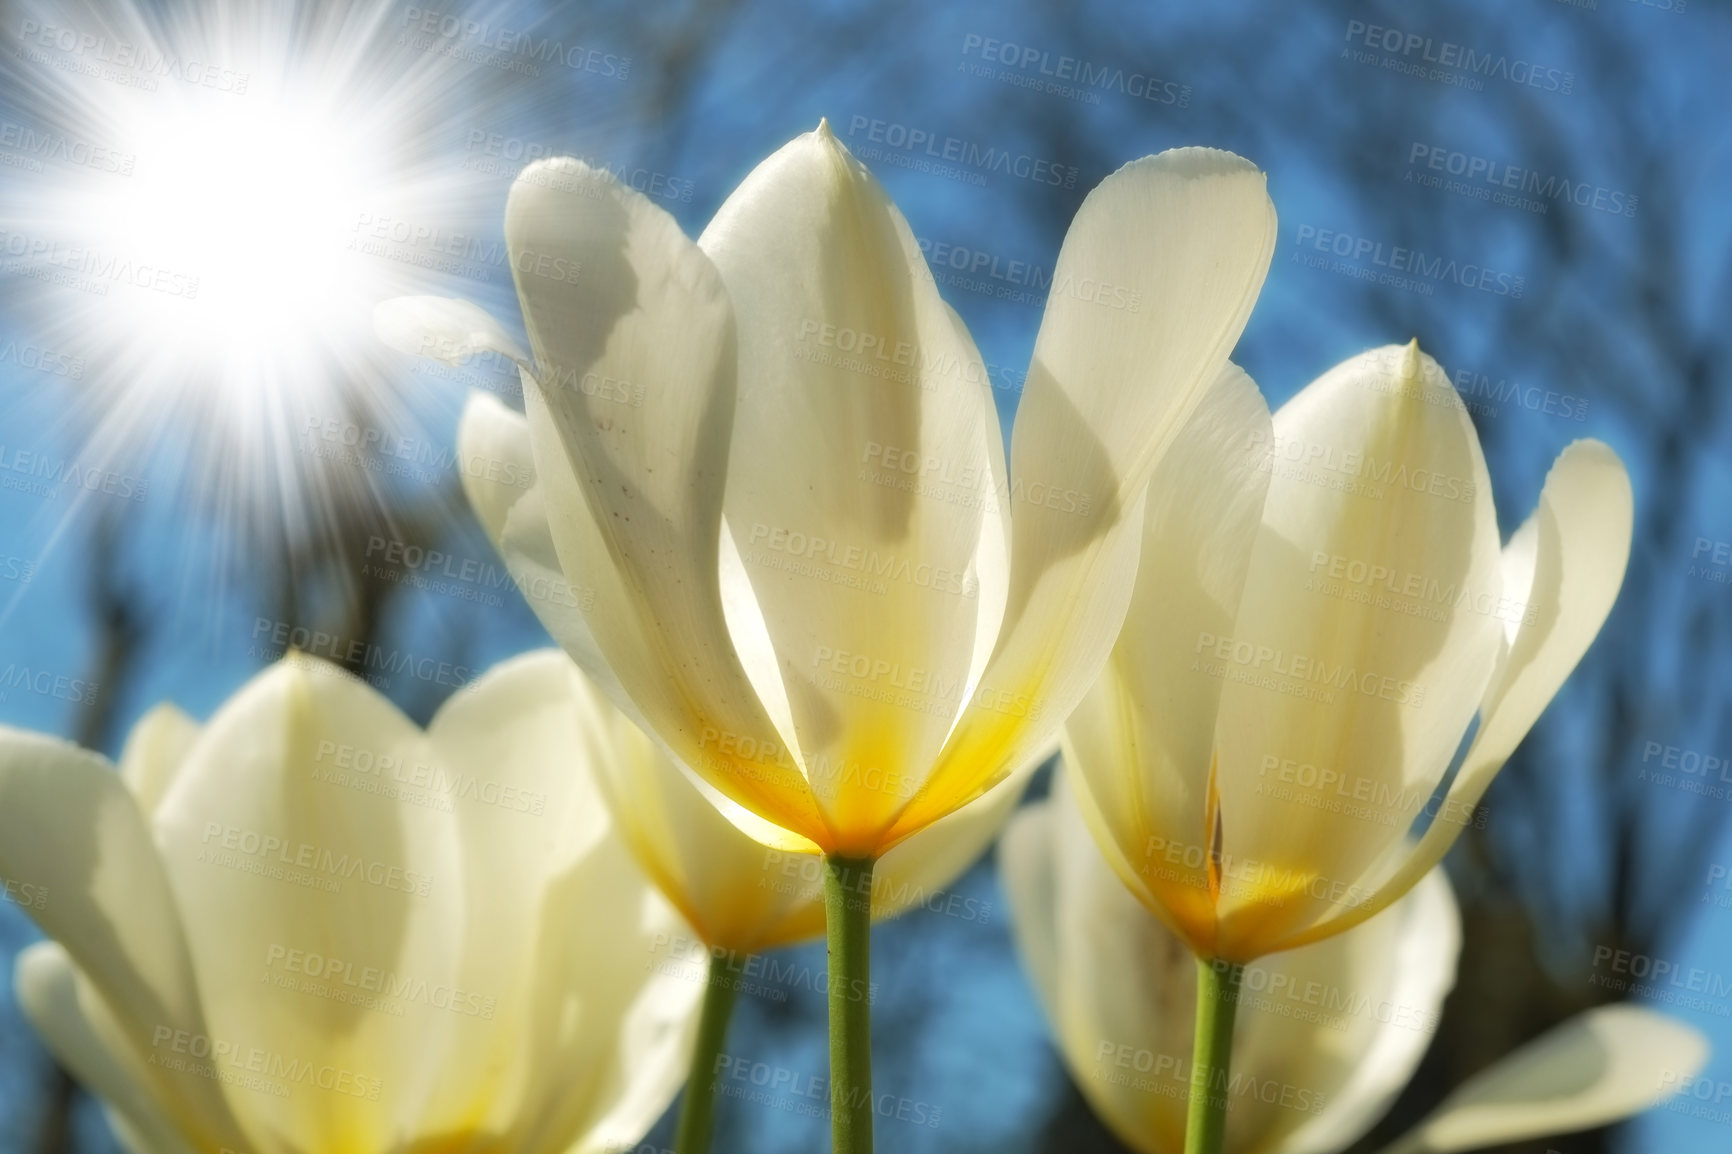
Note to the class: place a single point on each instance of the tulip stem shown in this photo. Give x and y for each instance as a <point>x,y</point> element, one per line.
<point>1211,1055</point>
<point>698,1111</point>
<point>848,926</point>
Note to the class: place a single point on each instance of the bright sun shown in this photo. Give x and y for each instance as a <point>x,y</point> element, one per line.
<point>241,210</point>
<point>213,271</point>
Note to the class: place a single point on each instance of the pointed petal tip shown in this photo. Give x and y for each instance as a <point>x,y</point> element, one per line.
<point>823,131</point>
<point>1410,361</point>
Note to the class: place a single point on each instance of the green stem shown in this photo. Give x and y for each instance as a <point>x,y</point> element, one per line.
<point>848,926</point>
<point>698,1111</point>
<point>1211,1055</point>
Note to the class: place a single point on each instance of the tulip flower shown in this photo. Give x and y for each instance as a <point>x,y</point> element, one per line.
<point>309,925</point>
<point>774,477</point>
<point>1321,611</point>
<point>739,896</point>
<point>1328,1034</point>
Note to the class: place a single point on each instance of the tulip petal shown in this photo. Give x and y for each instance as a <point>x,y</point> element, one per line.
<point>1029,875</point>
<point>154,753</point>
<point>1577,545</point>
<point>1392,976</point>
<point>564,1038</point>
<point>68,1015</point>
<point>444,328</point>
<point>1365,637</point>
<point>1142,740</point>
<point>1325,1038</point>
<point>499,479</point>
<point>733,890</point>
<point>1185,237</point>
<point>71,831</point>
<point>736,893</point>
<point>1597,1068</point>
<point>293,833</point>
<point>917,869</point>
<point>630,415</point>
<point>1568,559</point>
<point>861,475</point>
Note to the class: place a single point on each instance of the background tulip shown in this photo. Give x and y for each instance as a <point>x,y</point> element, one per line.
<point>1328,1033</point>
<point>309,925</point>
<point>1321,611</point>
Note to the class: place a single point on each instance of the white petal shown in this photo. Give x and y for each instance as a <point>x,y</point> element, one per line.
<point>75,845</point>
<point>573,1043</point>
<point>1026,870</point>
<point>1576,546</point>
<point>1597,1068</point>
<point>443,328</point>
<point>1325,1038</point>
<point>79,1030</point>
<point>1142,740</point>
<point>916,871</point>
<point>155,750</point>
<point>287,838</point>
<point>1186,238</point>
<point>862,472</point>
<point>630,419</point>
<point>1365,636</point>
<point>499,480</point>
<point>1396,972</point>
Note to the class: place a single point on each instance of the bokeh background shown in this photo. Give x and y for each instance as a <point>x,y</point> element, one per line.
<point>1596,303</point>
